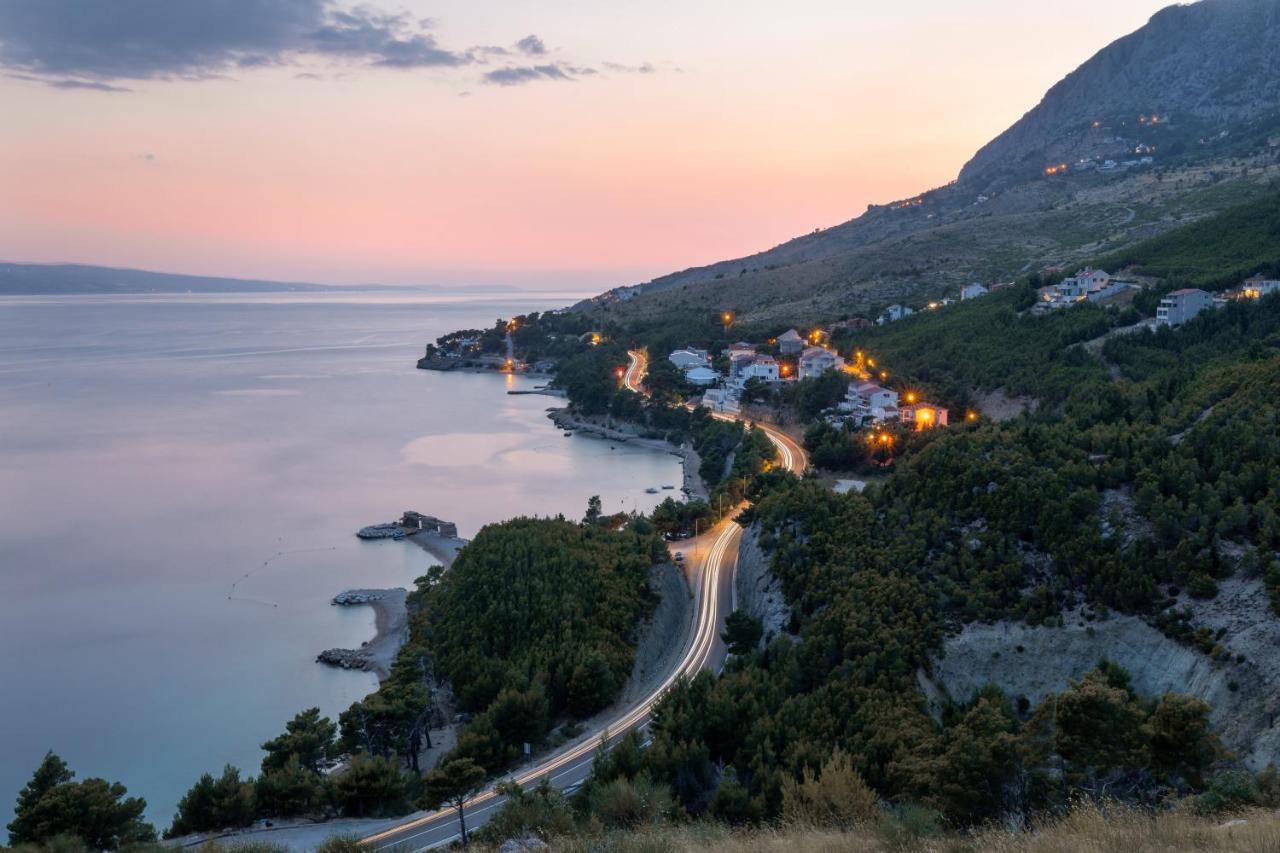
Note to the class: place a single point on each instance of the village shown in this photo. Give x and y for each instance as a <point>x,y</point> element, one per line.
<point>874,402</point>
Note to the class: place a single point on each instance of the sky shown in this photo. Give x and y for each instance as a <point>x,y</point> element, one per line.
<point>562,143</point>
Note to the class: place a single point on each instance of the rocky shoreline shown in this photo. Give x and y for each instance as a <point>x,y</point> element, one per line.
<point>391,621</point>
<point>437,537</point>
<point>692,486</point>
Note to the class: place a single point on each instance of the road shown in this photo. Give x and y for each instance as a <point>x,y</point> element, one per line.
<point>710,559</point>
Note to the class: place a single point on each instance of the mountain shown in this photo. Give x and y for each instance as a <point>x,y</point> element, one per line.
<point>1187,107</point>
<point>1206,66</point>
<point>25,279</point>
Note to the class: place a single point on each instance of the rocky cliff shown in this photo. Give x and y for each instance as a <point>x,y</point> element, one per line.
<point>1203,67</point>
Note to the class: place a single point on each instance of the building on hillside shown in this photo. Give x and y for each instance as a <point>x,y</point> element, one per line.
<point>816,361</point>
<point>740,348</point>
<point>1002,285</point>
<point>702,376</point>
<point>720,400</point>
<point>1259,286</point>
<point>689,358</point>
<point>923,415</point>
<point>790,342</point>
<point>972,291</point>
<point>893,313</point>
<point>867,401</point>
<point>763,367</point>
<point>1180,306</point>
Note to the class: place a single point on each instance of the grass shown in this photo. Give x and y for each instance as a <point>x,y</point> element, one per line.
<point>1089,829</point>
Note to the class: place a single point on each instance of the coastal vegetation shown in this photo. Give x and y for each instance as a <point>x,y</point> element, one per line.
<point>536,619</point>
<point>54,809</point>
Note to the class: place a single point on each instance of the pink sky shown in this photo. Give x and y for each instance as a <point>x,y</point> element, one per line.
<point>761,121</point>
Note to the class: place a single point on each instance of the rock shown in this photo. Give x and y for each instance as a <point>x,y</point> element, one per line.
<point>381,531</point>
<point>364,596</point>
<point>345,659</point>
<point>524,844</point>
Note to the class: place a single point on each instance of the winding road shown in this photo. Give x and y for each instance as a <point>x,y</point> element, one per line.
<point>710,562</point>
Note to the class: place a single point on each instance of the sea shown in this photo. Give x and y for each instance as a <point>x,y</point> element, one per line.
<point>181,480</point>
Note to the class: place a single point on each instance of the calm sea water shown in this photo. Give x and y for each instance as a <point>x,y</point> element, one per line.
<point>180,482</point>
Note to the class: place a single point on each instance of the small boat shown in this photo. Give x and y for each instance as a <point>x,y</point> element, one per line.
<point>668,487</point>
<point>651,491</point>
<point>568,435</point>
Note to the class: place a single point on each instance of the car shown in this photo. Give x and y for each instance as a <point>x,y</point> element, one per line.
<point>679,557</point>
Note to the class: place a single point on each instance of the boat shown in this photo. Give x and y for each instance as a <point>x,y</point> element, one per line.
<point>568,435</point>
<point>668,487</point>
<point>651,491</point>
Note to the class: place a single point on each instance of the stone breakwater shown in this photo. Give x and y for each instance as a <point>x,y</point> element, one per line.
<point>391,621</point>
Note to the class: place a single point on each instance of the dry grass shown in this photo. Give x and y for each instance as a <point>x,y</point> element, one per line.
<point>1088,830</point>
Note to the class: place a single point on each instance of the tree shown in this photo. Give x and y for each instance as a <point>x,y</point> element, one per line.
<point>308,736</point>
<point>453,784</point>
<point>52,772</point>
<point>290,791</point>
<point>1181,741</point>
<point>594,510</point>
<point>372,786</point>
<point>223,803</point>
<point>95,811</point>
<point>837,796</point>
<point>742,632</point>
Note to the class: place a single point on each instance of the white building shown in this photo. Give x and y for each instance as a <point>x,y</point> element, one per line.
<point>720,400</point>
<point>689,358</point>
<point>1181,305</point>
<point>869,401</point>
<point>763,367</point>
<point>972,291</point>
<point>816,361</point>
<point>893,313</point>
<point>790,342</point>
<point>702,376</point>
<point>1257,287</point>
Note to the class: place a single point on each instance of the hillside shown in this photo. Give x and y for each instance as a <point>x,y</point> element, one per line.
<point>1207,72</point>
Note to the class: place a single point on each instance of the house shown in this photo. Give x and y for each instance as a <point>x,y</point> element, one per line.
<point>1258,286</point>
<point>869,401</point>
<point>790,342</point>
<point>702,376</point>
<point>763,367</point>
<point>720,400</point>
<point>689,358</point>
<point>1078,287</point>
<point>816,361</point>
<point>893,313</point>
<point>972,291</point>
<point>923,415</point>
<point>1180,306</point>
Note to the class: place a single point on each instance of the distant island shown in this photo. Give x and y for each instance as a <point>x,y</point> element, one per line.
<point>19,279</point>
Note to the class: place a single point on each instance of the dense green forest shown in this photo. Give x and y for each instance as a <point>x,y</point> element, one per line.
<point>536,619</point>
<point>1213,254</point>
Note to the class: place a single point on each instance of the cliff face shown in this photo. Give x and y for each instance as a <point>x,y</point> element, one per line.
<point>1211,63</point>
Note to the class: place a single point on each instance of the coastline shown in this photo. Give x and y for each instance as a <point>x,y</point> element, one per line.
<point>391,629</point>
<point>693,486</point>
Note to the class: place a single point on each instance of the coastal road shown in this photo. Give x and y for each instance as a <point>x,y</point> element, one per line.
<point>710,559</point>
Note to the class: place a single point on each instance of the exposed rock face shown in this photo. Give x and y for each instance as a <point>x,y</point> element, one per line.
<point>1216,61</point>
<point>1037,661</point>
<point>759,591</point>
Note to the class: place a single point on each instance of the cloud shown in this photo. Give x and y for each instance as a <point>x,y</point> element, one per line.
<point>381,39</point>
<point>518,75</point>
<point>531,45</point>
<point>643,68</point>
<point>104,45</point>
<point>92,43</point>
